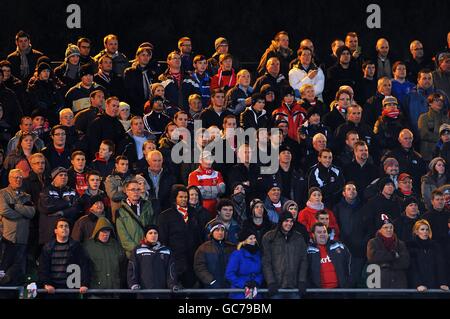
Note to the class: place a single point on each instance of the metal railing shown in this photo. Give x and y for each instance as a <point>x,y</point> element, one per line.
<point>347,293</point>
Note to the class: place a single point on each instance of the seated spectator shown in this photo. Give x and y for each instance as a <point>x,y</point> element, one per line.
<point>224,216</point>
<point>239,97</point>
<point>216,112</point>
<point>57,255</point>
<point>346,155</point>
<point>391,254</point>
<point>105,77</point>
<point>427,270</point>
<point>244,268</point>
<point>274,201</point>
<point>329,260</point>
<point>444,137</point>
<point>68,72</point>
<point>274,78</point>
<point>429,125</point>
<point>310,100</point>
<point>435,178</point>
<point>196,204</point>
<point>131,144</point>
<point>26,126</point>
<point>74,137</point>
<point>77,173</point>
<point>400,85</point>
<point>156,121</point>
<point>84,118</point>
<point>111,48</point>
<point>405,190</point>
<point>323,216</point>
<point>338,114</point>
<point>124,115</point>
<point>373,107</point>
<point>438,217</point>
<point>293,208</point>
<point>94,180</point>
<point>225,78</point>
<point>369,82</point>
<point>441,74</point>
<point>151,265</point>
<point>132,217</point>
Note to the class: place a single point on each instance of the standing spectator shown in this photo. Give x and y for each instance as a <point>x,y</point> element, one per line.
<point>134,139</point>
<point>10,104</point>
<point>107,78</point>
<point>338,115</point>
<point>57,255</point>
<point>391,254</point>
<point>410,215</point>
<point>84,118</point>
<point>179,230</point>
<point>328,177</point>
<point>84,45</point>
<point>216,112</point>
<point>244,269</point>
<point>24,59</point>
<point>74,137</point>
<point>120,61</point>
<point>19,158</point>
<point>211,258</point>
<point>427,269</point>
<point>285,262</point>
<point>104,161</point>
<point>255,116</point>
<point>278,48</point>
<point>209,181</point>
<point>187,56</point>
<point>438,217</point>
<point>400,85</point>
<point>94,180</point>
<point>368,83</point>
<point>435,178</point>
<point>306,72</point>
<point>274,78</point>
<point>68,72</point>
<point>225,78</point>
<point>373,107</point>
<point>132,217</point>
<point>196,204</point>
<point>77,173</point>
<point>152,265</point>
<point>55,201</point>
<point>417,61</point>
<point>239,97</point>
<point>106,126</point>
<point>383,62</point>
<point>16,212</point>
<point>225,210</point>
<point>138,80</point>
<point>430,123</point>
<point>57,153</point>
<point>274,201</point>
<point>309,99</point>
<point>84,227</point>
<point>329,261</point>
<point>258,222</point>
<point>444,137</point>
<point>441,77</point>
<point>201,79</point>
<point>105,255</point>
<point>156,120</point>
<point>293,208</point>
<point>114,184</point>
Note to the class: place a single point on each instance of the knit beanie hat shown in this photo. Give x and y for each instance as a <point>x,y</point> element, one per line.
<point>383,182</point>
<point>340,50</point>
<point>245,233</point>
<point>72,50</point>
<point>149,228</point>
<point>288,204</point>
<point>219,42</point>
<point>86,69</point>
<point>312,190</point>
<point>389,162</point>
<point>43,66</point>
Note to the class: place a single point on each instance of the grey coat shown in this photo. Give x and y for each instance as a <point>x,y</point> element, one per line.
<point>14,215</point>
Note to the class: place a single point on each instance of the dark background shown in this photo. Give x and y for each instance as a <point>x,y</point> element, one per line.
<point>248,25</point>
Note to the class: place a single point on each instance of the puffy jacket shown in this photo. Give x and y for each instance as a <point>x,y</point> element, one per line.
<point>295,115</point>
<point>298,77</point>
<point>340,258</point>
<point>243,266</point>
<point>284,259</point>
<point>210,262</point>
<point>307,217</point>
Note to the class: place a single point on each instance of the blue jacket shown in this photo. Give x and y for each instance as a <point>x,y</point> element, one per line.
<point>271,212</point>
<point>242,267</point>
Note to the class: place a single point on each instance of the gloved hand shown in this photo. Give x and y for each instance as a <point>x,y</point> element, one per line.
<point>302,288</point>
<point>250,284</point>
<point>135,287</point>
<point>32,290</point>
<point>273,289</point>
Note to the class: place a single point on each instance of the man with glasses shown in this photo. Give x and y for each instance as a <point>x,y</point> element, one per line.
<point>16,212</point>
<point>187,56</point>
<point>133,216</point>
<point>56,153</point>
<point>84,45</point>
<point>417,61</point>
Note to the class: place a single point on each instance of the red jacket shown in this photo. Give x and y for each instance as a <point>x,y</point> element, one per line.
<point>223,81</point>
<point>295,117</point>
<point>307,217</point>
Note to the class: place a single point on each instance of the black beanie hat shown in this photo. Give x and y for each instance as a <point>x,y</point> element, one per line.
<point>285,216</point>
<point>287,90</point>
<point>43,66</point>
<point>383,182</point>
<point>407,201</point>
<point>245,233</point>
<point>311,111</point>
<point>257,97</point>
<point>86,69</point>
<point>342,49</point>
<point>150,227</point>
<point>94,199</point>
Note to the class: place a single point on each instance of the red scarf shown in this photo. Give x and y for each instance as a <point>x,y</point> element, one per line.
<point>177,77</point>
<point>184,212</point>
<point>230,82</point>
<point>391,114</point>
<point>389,243</point>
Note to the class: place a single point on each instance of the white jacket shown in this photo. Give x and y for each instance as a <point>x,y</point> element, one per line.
<point>298,77</point>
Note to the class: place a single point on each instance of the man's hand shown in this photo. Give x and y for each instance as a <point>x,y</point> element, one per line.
<point>83,289</point>
<point>50,289</point>
<point>248,101</point>
<point>422,288</point>
<point>135,287</point>
<point>312,74</point>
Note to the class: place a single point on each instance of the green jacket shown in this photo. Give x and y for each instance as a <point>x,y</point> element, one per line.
<point>129,231</point>
<point>429,124</point>
<point>106,259</point>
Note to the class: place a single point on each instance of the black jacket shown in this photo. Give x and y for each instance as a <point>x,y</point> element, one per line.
<point>76,256</point>
<point>439,224</point>
<point>361,175</point>
<point>276,85</point>
<point>113,84</point>
<point>337,76</point>
<point>249,118</point>
<point>152,267</point>
<point>45,95</point>
<point>55,159</point>
<point>161,202</point>
<point>182,238</point>
<point>104,127</point>
<point>329,180</point>
<point>209,117</point>
<point>84,118</point>
<point>134,87</point>
<point>340,257</point>
<point>259,230</point>
<point>52,200</point>
<point>372,109</point>
<point>404,228</point>
<point>177,95</point>
<point>32,58</point>
<point>12,111</point>
<point>333,119</point>
<point>374,208</point>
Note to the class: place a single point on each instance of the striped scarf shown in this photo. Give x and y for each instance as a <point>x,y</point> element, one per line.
<point>184,212</point>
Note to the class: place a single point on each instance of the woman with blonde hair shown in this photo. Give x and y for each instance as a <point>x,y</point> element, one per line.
<point>427,264</point>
